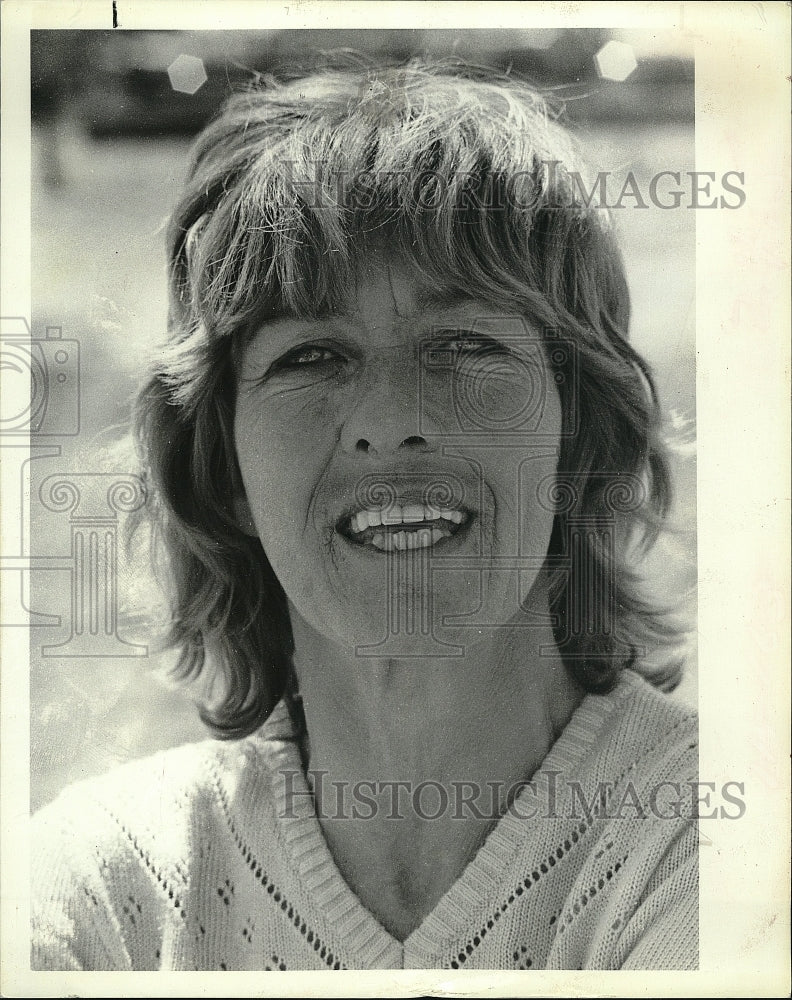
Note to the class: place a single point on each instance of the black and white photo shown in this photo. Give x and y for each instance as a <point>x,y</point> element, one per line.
<point>365,528</point>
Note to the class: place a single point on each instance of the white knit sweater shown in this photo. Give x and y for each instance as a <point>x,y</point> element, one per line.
<point>194,859</point>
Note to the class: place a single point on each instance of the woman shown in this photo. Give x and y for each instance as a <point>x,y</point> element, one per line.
<point>402,462</point>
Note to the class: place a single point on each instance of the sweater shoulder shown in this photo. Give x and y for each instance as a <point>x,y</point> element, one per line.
<point>118,858</point>
<point>647,731</point>
<point>161,801</point>
<point>656,714</point>
<point>663,709</point>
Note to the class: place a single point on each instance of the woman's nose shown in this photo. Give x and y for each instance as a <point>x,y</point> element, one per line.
<point>385,417</point>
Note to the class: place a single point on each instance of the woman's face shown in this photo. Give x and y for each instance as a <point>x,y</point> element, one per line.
<point>392,458</point>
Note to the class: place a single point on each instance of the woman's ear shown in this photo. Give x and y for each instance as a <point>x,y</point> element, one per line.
<point>244,516</point>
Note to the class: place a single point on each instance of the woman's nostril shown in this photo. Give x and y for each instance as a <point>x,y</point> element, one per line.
<point>368,448</point>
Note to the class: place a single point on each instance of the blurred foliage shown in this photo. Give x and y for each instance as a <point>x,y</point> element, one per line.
<point>117,83</point>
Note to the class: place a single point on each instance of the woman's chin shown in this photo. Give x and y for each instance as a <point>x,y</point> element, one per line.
<point>402,618</point>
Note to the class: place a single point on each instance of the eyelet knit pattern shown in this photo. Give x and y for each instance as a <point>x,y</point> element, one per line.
<point>195,859</point>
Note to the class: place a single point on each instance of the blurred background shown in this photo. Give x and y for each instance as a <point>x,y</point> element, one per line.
<point>113,117</point>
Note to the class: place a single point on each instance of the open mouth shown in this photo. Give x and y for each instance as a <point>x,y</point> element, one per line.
<point>403,527</point>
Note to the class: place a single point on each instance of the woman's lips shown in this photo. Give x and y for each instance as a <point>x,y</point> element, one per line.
<point>403,527</point>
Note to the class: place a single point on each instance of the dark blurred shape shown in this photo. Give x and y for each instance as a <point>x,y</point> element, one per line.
<point>116,83</point>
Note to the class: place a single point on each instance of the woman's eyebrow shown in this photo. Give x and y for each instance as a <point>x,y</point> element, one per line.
<point>437,299</point>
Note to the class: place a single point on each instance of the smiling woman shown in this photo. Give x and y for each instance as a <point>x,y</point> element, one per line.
<point>346,400</point>
<point>402,464</point>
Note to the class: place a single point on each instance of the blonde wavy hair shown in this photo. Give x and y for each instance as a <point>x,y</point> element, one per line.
<point>472,181</point>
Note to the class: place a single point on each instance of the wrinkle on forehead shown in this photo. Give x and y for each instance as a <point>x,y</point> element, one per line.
<point>383,286</point>
<point>393,290</point>
<point>408,292</point>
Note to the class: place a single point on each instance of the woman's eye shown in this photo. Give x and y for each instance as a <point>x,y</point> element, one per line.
<point>475,345</point>
<point>468,344</point>
<point>304,357</point>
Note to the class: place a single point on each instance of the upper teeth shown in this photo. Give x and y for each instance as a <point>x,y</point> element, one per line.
<point>407,514</point>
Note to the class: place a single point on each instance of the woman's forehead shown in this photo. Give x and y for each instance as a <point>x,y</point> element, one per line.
<point>393,302</point>
<point>386,282</point>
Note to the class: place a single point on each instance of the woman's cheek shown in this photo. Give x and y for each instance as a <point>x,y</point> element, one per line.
<point>288,450</point>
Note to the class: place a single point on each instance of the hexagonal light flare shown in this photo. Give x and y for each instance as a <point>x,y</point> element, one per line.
<point>187,74</point>
<point>615,61</point>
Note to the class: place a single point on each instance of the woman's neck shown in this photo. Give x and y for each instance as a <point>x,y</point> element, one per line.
<point>422,755</point>
<point>489,715</point>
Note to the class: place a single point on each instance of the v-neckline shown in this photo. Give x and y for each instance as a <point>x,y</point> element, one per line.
<point>364,937</point>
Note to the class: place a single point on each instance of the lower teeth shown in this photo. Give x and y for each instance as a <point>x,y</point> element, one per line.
<point>404,540</point>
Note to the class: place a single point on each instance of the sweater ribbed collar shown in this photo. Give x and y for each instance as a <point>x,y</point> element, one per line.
<point>366,940</point>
